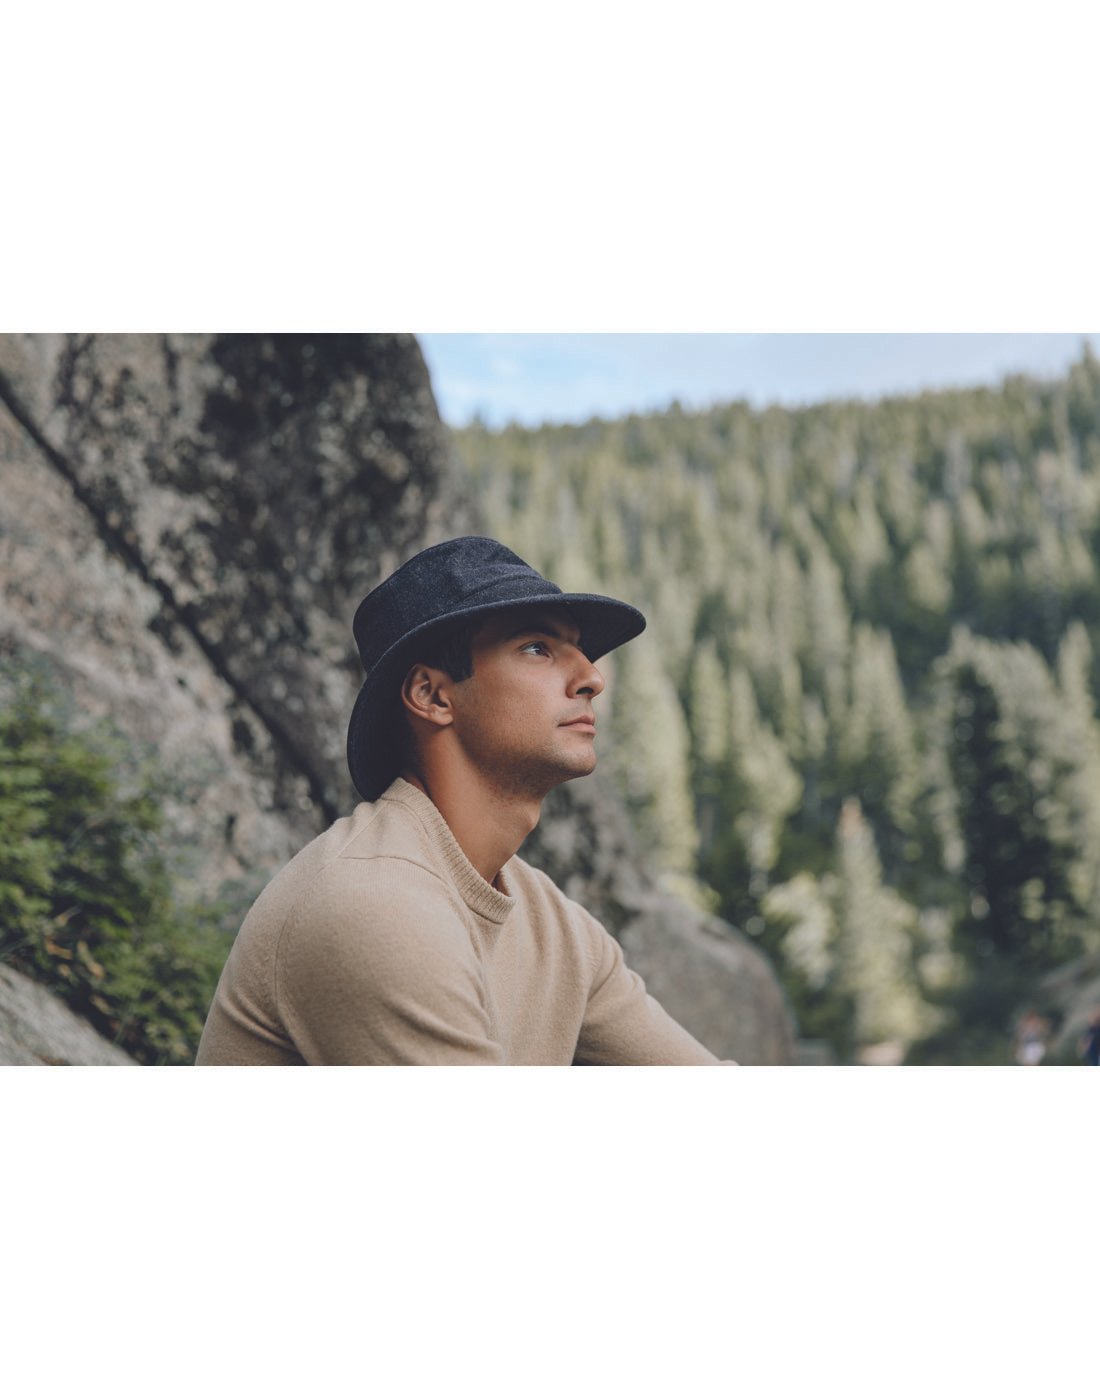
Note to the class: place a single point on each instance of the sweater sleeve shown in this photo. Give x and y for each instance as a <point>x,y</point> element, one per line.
<point>623,1025</point>
<point>381,971</point>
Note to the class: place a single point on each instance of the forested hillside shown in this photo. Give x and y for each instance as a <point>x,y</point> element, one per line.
<point>862,722</point>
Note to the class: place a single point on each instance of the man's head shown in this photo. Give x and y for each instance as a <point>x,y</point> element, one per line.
<point>508,698</point>
<point>443,610</point>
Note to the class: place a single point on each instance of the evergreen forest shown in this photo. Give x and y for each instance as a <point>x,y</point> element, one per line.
<point>861,724</point>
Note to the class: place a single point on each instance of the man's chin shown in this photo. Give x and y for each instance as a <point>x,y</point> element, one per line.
<point>578,766</point>
<point>537,777</point>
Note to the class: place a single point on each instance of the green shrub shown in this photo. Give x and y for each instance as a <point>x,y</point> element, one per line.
<point>86,899</point>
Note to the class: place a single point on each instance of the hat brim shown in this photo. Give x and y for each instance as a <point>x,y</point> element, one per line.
<point>374,732</point>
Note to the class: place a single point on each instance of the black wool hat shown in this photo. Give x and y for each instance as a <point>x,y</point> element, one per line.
<point>457,579</point>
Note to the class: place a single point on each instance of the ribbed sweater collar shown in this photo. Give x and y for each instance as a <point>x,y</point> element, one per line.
<point>475,890</point>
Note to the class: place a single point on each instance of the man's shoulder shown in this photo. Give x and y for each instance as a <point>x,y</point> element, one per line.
<point>385,827</point>
<point>386,854</point>
<point>378,855</point>
<point>381,833</point>
<point>376,887</point>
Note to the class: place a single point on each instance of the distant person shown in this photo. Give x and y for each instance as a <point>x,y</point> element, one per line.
<point>1031,1039</point>
<point>1090,1041</point>
<point>410,932</point>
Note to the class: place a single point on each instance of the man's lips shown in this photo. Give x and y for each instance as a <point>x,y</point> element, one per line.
<point>586,723</point>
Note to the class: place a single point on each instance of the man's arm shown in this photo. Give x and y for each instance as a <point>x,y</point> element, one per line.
<point>376,968</point>
<point>623,1025</point>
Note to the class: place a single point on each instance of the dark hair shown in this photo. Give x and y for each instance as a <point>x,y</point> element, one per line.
<point>448,648</point>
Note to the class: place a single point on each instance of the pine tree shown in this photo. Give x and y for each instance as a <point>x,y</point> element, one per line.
<point>874,941</point>
<point>878,745</point>
<point>761,789</point>
<point>1026,824</point>
<point>828,627</point>
<point>650,756</point>
<point>848,943</point>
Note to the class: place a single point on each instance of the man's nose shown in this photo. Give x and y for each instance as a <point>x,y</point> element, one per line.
<point>587,680</point>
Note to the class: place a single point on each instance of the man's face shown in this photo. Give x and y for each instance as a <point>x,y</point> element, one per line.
<point>525,716</point>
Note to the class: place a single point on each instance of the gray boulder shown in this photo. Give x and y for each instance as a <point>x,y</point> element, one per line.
<point>37,1028</point>
<point>704,973</point>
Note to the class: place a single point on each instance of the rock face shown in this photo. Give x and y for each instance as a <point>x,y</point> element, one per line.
<point>710,978</point>
<point>187,524</point>
<point>36,1028</point>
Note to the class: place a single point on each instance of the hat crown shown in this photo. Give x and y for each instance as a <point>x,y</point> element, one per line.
<point>471,572</point>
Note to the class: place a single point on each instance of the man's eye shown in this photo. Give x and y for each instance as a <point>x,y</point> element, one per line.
<point>536,646</point>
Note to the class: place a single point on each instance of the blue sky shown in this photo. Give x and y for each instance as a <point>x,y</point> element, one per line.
<point>568,378</point>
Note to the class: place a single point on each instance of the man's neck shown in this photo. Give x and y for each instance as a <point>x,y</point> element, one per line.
<point>489,825</point>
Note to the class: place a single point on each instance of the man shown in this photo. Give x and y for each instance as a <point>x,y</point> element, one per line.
<point>410,932</point>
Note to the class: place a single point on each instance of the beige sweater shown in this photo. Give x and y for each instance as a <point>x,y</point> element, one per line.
<point>380,944</point>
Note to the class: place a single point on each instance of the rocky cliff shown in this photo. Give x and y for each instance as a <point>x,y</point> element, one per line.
<point>37,1028</point>
<point>186,526</point>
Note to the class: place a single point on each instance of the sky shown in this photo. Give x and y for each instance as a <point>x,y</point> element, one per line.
<point>531,378</point>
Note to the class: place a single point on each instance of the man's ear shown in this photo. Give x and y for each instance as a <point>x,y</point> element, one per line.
<point>426,695</point>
